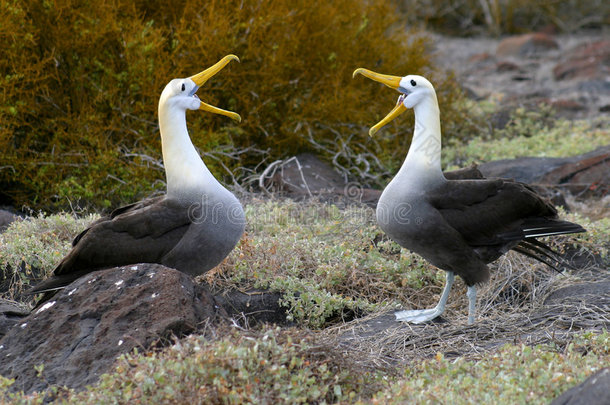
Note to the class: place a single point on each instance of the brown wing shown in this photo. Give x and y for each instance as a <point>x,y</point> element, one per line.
<point>139,233</point>
<point>124,209</point>
<point>484,212</point>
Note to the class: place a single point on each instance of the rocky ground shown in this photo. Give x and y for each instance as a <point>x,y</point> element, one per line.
<point>571,72</point>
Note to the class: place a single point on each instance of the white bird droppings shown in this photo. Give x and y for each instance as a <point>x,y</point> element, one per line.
<point>154,295</point>
<point>120,342</point>
<point>92,281</point>
<point>45,307</point>
<point>23,325</point>
<point>151,274</point>
<point>72,291</point>
<point>118,283</point>
<point>134,267</point>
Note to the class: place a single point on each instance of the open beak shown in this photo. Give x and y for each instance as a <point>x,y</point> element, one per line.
<point>390,81</point>
<point>200,78</point>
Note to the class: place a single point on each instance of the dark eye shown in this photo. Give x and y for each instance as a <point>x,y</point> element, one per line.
<point>413,83</point>
<point>184,87</point>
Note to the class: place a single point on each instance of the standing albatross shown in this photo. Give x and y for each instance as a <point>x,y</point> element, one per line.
<point>192,228</point>
<point>458,225</point>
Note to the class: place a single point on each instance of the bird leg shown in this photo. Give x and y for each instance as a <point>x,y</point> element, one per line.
<point>472,303</point>
<point>425,315</point>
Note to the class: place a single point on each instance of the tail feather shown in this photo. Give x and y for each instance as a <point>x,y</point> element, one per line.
<point>539,251</point>
<point>539,227</point>
<point>56,282</point>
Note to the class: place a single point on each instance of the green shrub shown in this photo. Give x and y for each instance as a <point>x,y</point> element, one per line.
<point>515,374</point>
<point>81,81</point>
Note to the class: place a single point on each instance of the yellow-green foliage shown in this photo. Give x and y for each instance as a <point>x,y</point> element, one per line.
<point>272,366</point>
<point>80,82</point>
<point>529,132</point>
<point>516,374</point>
<point>275,366</point>
<point>329,263</point>
<point>30,249</point>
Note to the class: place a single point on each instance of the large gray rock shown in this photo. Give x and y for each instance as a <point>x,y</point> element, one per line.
<point>80,332</point>
<point>11,313</point>
<point>586,61</point>
<point>595,293</point>
<point>587,172</point>
<point>595,390</point>
<point>532,44</point>
<point>6,218</point>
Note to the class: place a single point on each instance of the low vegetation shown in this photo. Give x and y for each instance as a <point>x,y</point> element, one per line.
<point>332,265</point>
<point>529,132</point>
<point>514,374</point>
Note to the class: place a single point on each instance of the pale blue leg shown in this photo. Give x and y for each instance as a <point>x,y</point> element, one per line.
<point>425,315</point>
<point>472,303</point>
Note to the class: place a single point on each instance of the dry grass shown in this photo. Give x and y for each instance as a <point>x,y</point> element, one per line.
<point>510,309</point>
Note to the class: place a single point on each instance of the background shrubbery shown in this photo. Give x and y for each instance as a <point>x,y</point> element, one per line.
<point>81,81</point>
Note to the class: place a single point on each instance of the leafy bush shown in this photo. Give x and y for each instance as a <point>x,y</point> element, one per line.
<point>290,366</point>
<point>81,81</point>
<point>515,374</point>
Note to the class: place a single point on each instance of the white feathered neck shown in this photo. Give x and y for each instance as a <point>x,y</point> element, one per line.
<point>187,176</point>
<point>423,161</point>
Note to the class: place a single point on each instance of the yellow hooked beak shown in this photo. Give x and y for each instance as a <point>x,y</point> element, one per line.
<point>201,78</point>
<point>390,81</point>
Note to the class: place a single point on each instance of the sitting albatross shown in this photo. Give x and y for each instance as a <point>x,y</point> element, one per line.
<point>462,223</point>
<point>192,228</point>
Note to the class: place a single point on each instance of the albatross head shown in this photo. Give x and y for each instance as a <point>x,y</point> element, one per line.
<point>181,93</point>
<point>413,91</point>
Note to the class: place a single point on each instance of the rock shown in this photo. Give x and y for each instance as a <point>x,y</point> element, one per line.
<point>585,61</point>
<point>597,293</point>
<point>595,390</point>
<point>253,306</point>
<point>588,172</point>
<point>568,105</point>
<point>506,66</point>
<point>303,174</point>
<point>80,332</point>
<point>483,58</point>
<point>6,218</point>
<point>10,314</point>
<point>526,45</point>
